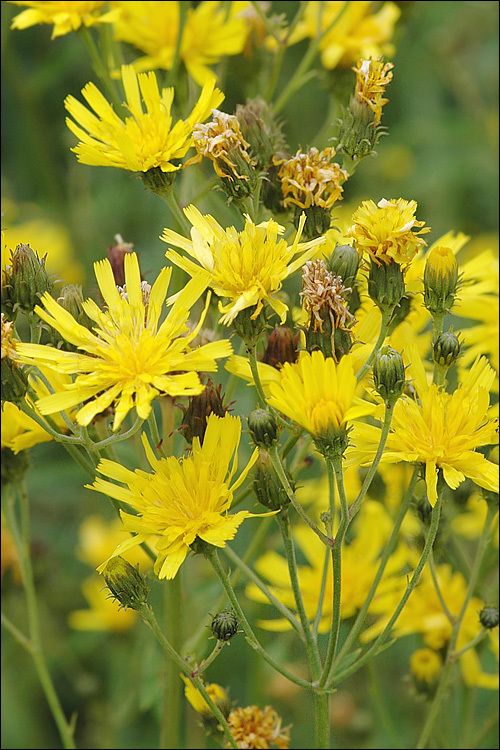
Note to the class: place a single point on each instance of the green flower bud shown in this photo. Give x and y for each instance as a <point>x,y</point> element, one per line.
<point>14,382</point>
<point>125,582</point>
<point>224,625</point>
<point>281,347</point>
<point>157,181</point>
<point>263,428</point>
<point>389,375</point>
<point>318,220</point>
<point>251,117</point>
<point>71,299</point>
<point>14,465</point>
<point>446,349</point>
<point>267,487</point>
<point>440,280</point>
<point>489,617</point>
<point>26,280</point>
<point>344,262</point>
<point>248,329</point>
<point>386,284</point>
<point>358,133</point>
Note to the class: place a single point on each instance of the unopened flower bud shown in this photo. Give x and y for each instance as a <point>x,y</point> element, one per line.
<point>386,285</point>
<point>440,280</point>
<point>425,668</point>
<point>256,123</point>
<point>389,374</point>
<point>281,347</point>
<point>358,134</point>
<point>267,487</point>
<point>446,349</point>
<point>224,625</point>
<point>489,617</point>
<point>344,262</point>
<point>158,181</point>
<point>26,279</point>
<point>263,428</point>
<point>125,582</point>
<point>71,299</point>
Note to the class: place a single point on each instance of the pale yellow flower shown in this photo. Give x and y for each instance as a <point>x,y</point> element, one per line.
<point>66,16</point>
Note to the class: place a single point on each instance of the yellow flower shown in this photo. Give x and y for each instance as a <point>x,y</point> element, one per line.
<point>318,394</point>
<point>358,33</point>
<point>384,231</point>
<point>98,539</point>
<point>312,179</point>
<point>182,499</point>
<point>423,613</point>
<point>470,522</point>
<point>103,612</point>
<point>425,665</point>
<point>360,561</point>
<point>210,33</point>
<point>144,140</point>
<point>372,76</point>
<point>198,702</point>
<point>254,727</point>
<point>66,16</point>
<point>246,267</point>
<point>439,429</point>
<point>129,358</point>
<point>19,431</point>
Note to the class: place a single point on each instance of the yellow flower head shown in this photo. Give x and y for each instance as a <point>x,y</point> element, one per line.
<point>144,140</point>
<point>386,231</point>
<point>66,16</point>
<point>210,32</point>
<point>440,430</point>
<point>254,727</point>
<point>350,31</point>
<point>425,665</point>
<point>372,76</point>
<point>183,499</point>
<point>318,394</point>
<point>312,179</point>
<point>129,358</point>
<point>247,267</point>
<point>198,702</point>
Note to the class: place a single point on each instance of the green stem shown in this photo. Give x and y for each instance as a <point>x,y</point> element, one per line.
<point>101,68</point>
<point>212,556</point>
<point>207,662</point>
<point>112,439</point>
<point>252,358</point>
<point>278,467</point>
<point>22,541</point>
<point>432,568</point>
<point>472,644</point>
<point>148,617</point>
<point>388,550</point>
<point>171,201</point>
<point>322,590</point>
<point>336,465</point>
<point>172,706</point>
<point>385,635</point>
<point>451,655</point>
<point>384,323</point>
<point>384,434</point>
<point>172,74</point>
<point>57,436</point>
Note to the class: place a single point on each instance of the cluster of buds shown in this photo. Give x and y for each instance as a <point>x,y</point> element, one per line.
<point>360,127</point>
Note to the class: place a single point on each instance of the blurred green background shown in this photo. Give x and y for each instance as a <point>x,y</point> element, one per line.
<point>441,150</point>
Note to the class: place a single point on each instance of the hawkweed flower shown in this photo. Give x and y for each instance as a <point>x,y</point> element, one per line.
<point>439,430</point>
<point>247,268</point>
<point>182,499</point>
<point>66,16</point>
<point>388,232</point>
<point>425,668</point>
<point>319,395</point>
<point>254,727</point>
<point>372,76</point>
<point>146,139</point>
<point>130,357</point>
<point>198,702</point>
<point>210,32</point>
<point>222,141</point>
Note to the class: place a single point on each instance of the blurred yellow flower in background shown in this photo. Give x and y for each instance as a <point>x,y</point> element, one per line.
<point>65,16</point>
<point>103,612</point>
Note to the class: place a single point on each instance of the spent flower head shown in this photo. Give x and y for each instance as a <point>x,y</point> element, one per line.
<point>129,357</point>
<point>248,267</point>
<point>254,727</point>
<point>388,231</point>
<point>311,179</point>
<point>146,139</point>
<point>182,500</point>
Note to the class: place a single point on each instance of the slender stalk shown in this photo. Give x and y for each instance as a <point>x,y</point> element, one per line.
<point>211,555</point>
<point>385,635</point>
<point>384,323</point>
<point>472,644</point>
<point>336,465</point>
<point>208,661</point>
<point>171,200</point>
<point>148,617</point>
<point>321,596</point>
<point>58,436</point>
<point>100,67</point>
<point>384,434</point>
<point>252,358</point>
<point>170,729</point>
<point>432,568</point>
<point>22,541</point>
<point>388,550</point>
<point>112,439</point>
<point>278,467</point>
<point>183,14</point>
<point>451,655</point>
